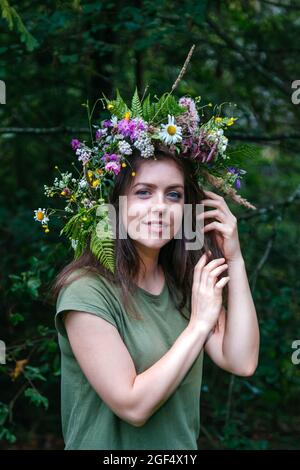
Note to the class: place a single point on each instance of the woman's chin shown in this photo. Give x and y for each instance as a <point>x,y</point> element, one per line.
<point>152,242</point>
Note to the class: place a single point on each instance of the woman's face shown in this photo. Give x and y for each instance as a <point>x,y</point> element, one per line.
<point>155,203</point>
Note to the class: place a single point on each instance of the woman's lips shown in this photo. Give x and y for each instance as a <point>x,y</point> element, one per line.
<point>156,226</point>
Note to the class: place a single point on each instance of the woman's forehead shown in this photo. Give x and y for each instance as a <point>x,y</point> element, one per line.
<point>159,173</point>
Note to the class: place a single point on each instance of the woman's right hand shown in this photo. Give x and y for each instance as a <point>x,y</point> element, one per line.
<point>207,292</point>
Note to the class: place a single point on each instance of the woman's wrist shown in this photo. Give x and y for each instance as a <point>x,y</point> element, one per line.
<point>199,327</point>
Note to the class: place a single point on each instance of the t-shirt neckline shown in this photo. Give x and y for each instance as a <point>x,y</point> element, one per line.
<point>153,296</point>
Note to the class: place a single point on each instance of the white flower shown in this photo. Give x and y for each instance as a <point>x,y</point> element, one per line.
<point>219,135</point>
<point>40,216</point>
<point>170,133</point>
<point>82,183</point>
<point>119,137</point>
<point>125,148</point>
<point>114,120</point>
<point>223,144</point>
<point>74,243</point>
<point>143,144</point>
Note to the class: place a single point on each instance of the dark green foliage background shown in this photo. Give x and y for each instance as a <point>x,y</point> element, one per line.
<point>54,55</point>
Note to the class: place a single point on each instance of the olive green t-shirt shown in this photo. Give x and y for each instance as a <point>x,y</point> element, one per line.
<point>87,422</point>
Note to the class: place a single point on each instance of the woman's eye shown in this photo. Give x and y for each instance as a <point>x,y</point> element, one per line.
<point>177,195</point>
<point>173,193</point>
<point>139,192</point>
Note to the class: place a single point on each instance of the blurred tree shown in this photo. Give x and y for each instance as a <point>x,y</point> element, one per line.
<point>54,56</point>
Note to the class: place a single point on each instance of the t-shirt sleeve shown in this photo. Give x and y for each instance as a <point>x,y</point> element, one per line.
<point>85,294</point>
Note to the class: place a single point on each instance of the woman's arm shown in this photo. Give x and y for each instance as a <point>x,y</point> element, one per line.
<point>108,366</point>
<point>235,346</point>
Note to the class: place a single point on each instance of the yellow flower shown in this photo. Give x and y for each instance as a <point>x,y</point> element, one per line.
<point>231,121</point>
<point>110,106</point>
<point>95,183</point>
<point>218,119</point>
<point>73,198</point>
<point>47,230</point>
<point>133,173</point>
<point>99,171</point>
<point>84,218</point>
<point>124,165</point>
<point>210,104</point>
<point>127,115</point>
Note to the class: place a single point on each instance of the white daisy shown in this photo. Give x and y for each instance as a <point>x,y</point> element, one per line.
<point>170,133</point>
<point>40,216</point>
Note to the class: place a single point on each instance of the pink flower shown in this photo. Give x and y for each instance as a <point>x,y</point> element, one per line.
<point>113,166</point>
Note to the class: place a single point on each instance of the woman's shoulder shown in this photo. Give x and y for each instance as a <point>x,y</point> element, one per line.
<point>85,279</point>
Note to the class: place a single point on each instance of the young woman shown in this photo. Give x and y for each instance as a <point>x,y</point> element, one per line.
<point>132,343</point>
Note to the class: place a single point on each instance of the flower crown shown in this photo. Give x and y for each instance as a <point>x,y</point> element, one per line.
<point>180,125</point>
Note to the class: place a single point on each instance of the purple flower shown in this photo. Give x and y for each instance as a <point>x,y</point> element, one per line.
<point>107,123</point>
<point>99,133</point>
<point>113,166</point>
<point>238,172</point>
<point>131,127</point>
<point>110,157</point>
<point>83,155</point>
<point>75,144</point>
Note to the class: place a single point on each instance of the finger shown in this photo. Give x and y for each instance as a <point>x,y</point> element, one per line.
<point>214,226</point>
<point>212,194</point>
<point>221,283</point>
<point>209,214</point>
<point>212,277</point>
<point>208,268</point>
<point>198,268</point>
<point>215,203</point>
<point>220,204</point>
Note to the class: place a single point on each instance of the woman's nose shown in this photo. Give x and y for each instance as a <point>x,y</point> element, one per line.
<point>158,202</point>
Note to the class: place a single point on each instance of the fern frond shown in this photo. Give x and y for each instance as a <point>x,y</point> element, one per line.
<point>147,108</point>
<point>136,107</point>
<point>103,249</point>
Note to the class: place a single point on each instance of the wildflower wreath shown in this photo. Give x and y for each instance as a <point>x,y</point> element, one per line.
<point>179,124</point>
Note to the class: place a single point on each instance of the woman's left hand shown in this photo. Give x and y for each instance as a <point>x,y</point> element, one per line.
<point>225,225</point>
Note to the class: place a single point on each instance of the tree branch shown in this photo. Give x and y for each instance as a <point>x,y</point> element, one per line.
<point>293,198</point>
<point>279,84</point>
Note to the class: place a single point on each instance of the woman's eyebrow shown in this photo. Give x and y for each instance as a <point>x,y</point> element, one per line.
<point>155,186</point>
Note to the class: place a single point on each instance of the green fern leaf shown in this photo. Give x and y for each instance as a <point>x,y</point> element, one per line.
<point>147,109</point>
<point>136,107</point>
<point>102,247</point>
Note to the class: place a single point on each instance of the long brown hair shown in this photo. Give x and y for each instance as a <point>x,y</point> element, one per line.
<point>177,262</point>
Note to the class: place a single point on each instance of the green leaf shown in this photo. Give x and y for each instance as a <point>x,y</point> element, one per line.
<point>102,245</point>
<point>36,397</point>
<point>147,108</point>
<point>136,107</point>
<point>16,318</point>
<point>33,373</point>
